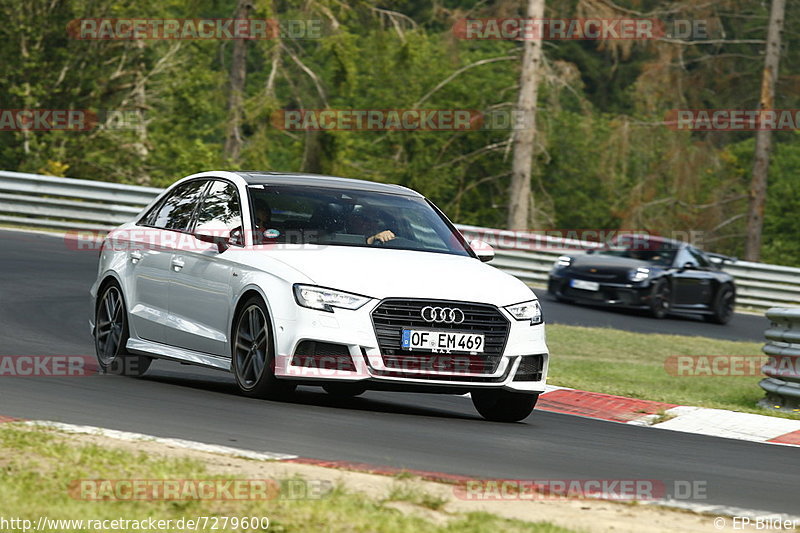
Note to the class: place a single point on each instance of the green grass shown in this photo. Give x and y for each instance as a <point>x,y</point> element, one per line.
<point>37,466</point>
<point>407,492</point>
<point>633,365</point>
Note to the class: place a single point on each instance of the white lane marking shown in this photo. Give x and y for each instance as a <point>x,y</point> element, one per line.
<point>729,424</point>
<point>179,443</point>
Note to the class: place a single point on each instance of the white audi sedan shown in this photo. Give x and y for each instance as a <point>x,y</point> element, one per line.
<point>294,279</point>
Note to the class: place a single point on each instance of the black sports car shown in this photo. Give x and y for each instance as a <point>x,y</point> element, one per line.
<point>651,273</point>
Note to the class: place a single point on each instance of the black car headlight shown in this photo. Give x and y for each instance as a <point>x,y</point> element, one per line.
<point>640,274</point>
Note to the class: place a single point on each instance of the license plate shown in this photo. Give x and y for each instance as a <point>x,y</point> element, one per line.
<point>418,339</point>
<point>585,285</point>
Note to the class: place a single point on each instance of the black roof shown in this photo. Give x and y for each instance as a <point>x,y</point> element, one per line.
<point>654,238</point>
<point>260,177</point>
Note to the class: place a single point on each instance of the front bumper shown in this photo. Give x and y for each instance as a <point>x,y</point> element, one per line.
<point>627,295</point>
<point>522,366</point>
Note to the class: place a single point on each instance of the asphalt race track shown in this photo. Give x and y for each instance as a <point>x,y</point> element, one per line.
<point>43,290</point>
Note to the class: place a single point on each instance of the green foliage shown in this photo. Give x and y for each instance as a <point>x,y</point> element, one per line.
<point>604,158</point>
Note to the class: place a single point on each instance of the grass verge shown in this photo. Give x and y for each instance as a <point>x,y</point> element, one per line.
<point>37,467</point>
<point>633,364</point>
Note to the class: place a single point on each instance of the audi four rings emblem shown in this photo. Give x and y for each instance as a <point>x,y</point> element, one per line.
<point>445,315</point>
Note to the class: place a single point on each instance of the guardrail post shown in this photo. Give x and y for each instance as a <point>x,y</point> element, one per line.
<point>783,367</point>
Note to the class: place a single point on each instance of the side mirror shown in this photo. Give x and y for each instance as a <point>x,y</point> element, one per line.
<point>214,232</point>
<point>688,266</point>
<point>483,250</point>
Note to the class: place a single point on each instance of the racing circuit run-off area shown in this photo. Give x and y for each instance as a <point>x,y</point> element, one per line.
<point>522,266</point>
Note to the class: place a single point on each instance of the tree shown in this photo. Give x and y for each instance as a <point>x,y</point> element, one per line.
<point>238,76</point>
<point>519,201</point>
<point>758,185</point>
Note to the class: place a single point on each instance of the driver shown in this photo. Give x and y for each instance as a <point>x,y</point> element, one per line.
<point>360,223</point>
<point>262,216</point>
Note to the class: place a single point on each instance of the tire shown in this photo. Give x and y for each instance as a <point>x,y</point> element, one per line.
<point>724,305</point>
<point>504,406</point>
<point>660,299</point>
<point>111,335</point>
<point>344,390</point>
<point>253,353</point>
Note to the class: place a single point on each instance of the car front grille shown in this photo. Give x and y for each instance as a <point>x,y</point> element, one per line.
<point>393,315</point>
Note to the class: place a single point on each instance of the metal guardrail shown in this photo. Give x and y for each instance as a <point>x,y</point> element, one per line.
<point>783,367</point>
<point>67,203</point>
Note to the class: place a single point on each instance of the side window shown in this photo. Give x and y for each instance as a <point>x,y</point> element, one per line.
<point>221,204</point>
<point>175,211</point>
<point>685,257</point>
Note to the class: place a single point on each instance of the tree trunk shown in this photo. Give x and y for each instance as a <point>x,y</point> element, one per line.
<point>520,201</point>
<point>758,184</point>
<point>238,76</point>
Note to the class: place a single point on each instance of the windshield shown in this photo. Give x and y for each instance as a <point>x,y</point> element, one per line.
<point>345,217</point>
<point>661,253</point>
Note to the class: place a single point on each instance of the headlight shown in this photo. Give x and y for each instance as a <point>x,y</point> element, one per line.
<point>563,262</point>
<point>527,311</point>
<point>640,274</point>
<point>326,299</point>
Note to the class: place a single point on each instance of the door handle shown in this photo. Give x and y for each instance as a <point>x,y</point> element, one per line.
<point>177,263</point>
<point>136,256</point>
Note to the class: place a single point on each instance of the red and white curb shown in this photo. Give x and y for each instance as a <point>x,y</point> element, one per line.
<point>688,419</point>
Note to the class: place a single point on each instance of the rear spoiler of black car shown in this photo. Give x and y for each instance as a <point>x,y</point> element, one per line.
<point>722,258</point>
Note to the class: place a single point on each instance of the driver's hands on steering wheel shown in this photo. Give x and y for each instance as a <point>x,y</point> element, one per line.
<point>384,236</point>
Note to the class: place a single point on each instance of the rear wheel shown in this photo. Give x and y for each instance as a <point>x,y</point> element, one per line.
<point>660,299</point>
<point>723,306</point>
<point>344,390</point>
<point>254,353</point>
<point>504,406</point>
<point>111,335</point>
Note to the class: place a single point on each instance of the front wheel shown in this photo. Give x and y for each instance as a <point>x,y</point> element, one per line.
<point>254,353</point>
<point>660,299</point>
<point>504,406</point>
<point>111,336</point>
<point>723,306</point>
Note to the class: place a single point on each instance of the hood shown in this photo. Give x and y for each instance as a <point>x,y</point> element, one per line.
<point>607,267</point>
<point>382,273</point>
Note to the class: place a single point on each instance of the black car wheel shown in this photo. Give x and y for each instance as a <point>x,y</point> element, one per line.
<point>254,353</point>
<point>660,299</point>
<point>504,406</point>
<point>724,305</point>
<point>111,335</point>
